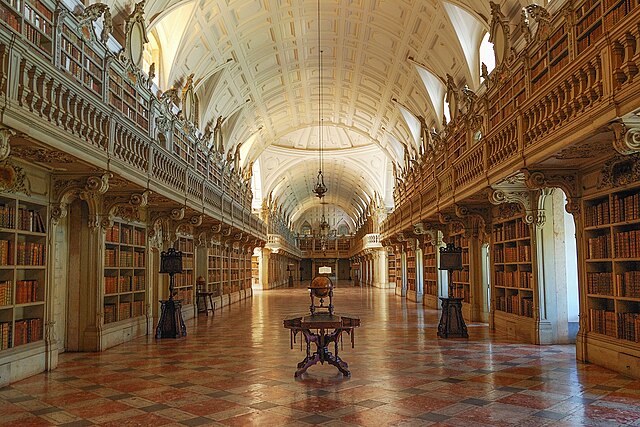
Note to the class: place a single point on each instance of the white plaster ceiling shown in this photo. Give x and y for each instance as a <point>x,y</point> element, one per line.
<point>258,62</point>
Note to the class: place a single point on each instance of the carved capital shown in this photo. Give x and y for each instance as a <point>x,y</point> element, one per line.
<point>515,190</point>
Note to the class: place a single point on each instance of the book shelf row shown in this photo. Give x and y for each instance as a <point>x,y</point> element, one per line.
<point>626,244</point>
<point>27,253</point>
<point>26,292</point>
<point>27,219</point>
<point>22,332</point>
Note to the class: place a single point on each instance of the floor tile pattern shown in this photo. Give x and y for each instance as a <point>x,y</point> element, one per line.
<point>236,369</point>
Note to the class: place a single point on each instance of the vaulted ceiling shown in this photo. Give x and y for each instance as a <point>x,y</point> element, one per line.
<point>256,64</point>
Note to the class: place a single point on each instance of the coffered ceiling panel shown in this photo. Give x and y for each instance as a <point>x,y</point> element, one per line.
<point>270,85</point>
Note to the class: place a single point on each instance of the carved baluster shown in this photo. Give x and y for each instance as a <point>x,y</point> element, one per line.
<point>630,67</point>
<point>29,89</point>
<point>617,58</point>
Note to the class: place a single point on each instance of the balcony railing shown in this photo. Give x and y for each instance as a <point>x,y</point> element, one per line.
<point>530,112</point>
<point>77,96</point>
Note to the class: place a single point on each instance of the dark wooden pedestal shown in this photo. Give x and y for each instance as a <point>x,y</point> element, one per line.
<point>171,324</point>
<point>451,323</point>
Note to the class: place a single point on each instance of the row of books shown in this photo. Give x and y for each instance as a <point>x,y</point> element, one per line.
<point>588,19</point>
<point>510,230</point>
<point>627,244</point>
<point>124,310</point>
<point>628,284</point>
<point>597,214</point>
<point>461,276</point>
<point>615,15</point>
<point>512,254</point>
<point>430,288</point>
<point>462,292</point>
<point>184,279</point>
<point>515,305</point>
<point>26,331</point>
<point>629,326</point>
<point>6,293</point>
<point>598,247</point>
<point>30,253</point>
<point>626,208</point>
<point>6,252</point>
<point>590,38</point>
<point>5,335</point>
<point>603,322</point>
<point>184,245</point>
<point>599,283</point>
<point>115,284</point>
<point>126,235</point>
<point>186,295</point>
<point>514,279</point>
<point>30,220</point>
<point>26,291</point>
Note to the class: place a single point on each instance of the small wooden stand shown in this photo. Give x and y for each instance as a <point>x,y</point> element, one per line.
<point>451,322</point>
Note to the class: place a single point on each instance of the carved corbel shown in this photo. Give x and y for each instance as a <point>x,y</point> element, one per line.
<point>514,190</point>
<point>626,135</point>
<point>126,207</point>
<point>478,220</point>
<point>567,180</point>
<point>90,190</point>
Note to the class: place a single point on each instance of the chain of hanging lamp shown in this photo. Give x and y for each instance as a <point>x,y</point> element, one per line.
<point>320,189</point>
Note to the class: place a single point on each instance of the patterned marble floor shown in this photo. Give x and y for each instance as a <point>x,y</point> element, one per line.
<point>236,369</point>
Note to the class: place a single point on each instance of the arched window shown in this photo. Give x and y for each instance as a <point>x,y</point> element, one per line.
<point>487,55</point>
<point>343,229</point>
<point>151,55</point>
<point>306,229</point>
<point>447,113</point>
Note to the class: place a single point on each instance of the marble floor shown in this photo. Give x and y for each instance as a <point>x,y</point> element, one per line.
<point>236,369</point>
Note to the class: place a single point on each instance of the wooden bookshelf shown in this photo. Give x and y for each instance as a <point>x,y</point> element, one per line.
<point>594,18</point>
<point>126,98</point>
<point>549,57</point>
<point>81,61</point>
<point>23,272</point>
<point>125,281</point>
<point>391,267</point>
<point>411,270</point>
<point>33,19</point>
<point>214,269</point>
<point>461,285</point>
<point>612,271</point>
<point>255,271</point>
<point>398,270</point>
<point>185,281</point>
<point>509,97</point>
<point>430,256</point>
<point>513,277</point>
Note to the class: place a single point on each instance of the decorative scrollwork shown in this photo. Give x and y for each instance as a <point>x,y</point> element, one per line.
<point>89,15</point>
<point>5,136</point>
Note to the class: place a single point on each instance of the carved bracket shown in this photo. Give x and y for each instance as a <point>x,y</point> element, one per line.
<point>514,190</point>
<point>128,207</point>
<point>626,135</point>
<point>567,180</point>
<point>90,189</point>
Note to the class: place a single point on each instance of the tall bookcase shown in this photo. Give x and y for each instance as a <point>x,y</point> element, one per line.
<point>81,61</point>
<point>430,270</point>
<point>612,273</point>
<point>255,271</point>
<point>23,278</point>
<point>550,57</point>
<point>514,286</point>
<point>214,269</point>
<point>411,271</point>
<point>391,267</point>
<point>125,282</point>
<point>398,270</point>
<point>461,286</point>
<point>595,17</point>
<point>184,282</point>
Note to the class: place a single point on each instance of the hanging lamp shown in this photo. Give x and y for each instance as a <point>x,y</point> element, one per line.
<point>320,189</point>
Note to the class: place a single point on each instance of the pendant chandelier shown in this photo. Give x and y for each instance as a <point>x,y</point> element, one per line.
<point>320,189</point>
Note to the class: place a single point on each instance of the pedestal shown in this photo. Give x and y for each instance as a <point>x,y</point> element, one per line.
<point>171,324</point>
<point>451,323</point>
